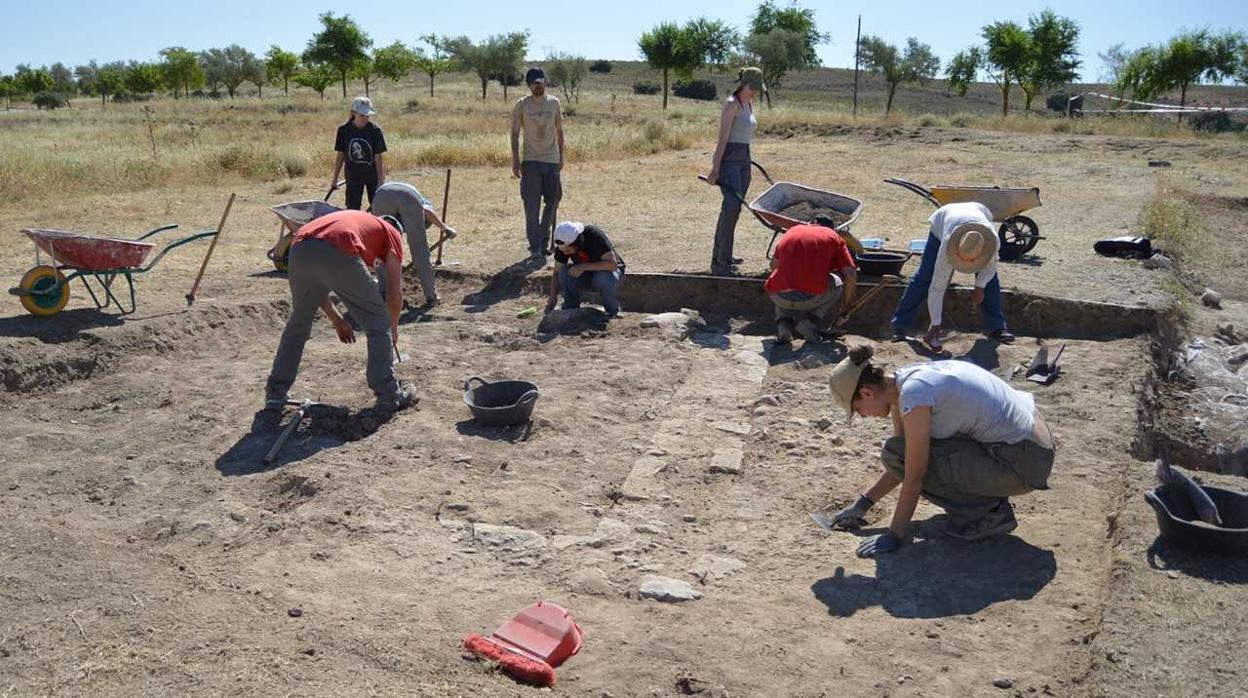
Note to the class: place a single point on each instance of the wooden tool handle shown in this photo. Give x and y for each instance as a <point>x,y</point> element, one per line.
<point>190,297</point>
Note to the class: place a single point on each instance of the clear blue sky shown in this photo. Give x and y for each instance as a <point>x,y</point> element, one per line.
<point>76,31</point>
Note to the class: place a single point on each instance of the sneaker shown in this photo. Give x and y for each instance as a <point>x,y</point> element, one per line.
<point>899,335</point>
<point>997,522</point>
<point>403,397</point>
<point>275,403</point>
<point>737,260</point>
<point>784,331</point>
<point>809,331</point>
<point>1003,336</point>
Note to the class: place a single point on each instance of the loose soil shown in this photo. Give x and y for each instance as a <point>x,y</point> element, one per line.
<point>805,211</point>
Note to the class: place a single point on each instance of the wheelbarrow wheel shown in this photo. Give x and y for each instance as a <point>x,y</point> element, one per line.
<point>45,291</point>
<point>1019,235</point>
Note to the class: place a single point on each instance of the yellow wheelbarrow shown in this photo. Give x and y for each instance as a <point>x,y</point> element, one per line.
<point>1019,234</point>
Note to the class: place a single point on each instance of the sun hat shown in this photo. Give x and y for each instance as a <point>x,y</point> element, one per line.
<point>535,75</point>
<point>844,383</point>
<point>393,221</point>
<point>567,232</point>
<point>363,106</point>
<point>971,247</point>
<point>753,77</point>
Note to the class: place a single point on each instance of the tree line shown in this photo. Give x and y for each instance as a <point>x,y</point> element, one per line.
<point>1040,56</point>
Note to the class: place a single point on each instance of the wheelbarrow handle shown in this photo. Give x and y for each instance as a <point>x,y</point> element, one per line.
<point>916,188</point>
<point>741,199</point>
<point>333,189</point>
<point>764,171</point>
<point>161,229</point>
<point>479,379</point>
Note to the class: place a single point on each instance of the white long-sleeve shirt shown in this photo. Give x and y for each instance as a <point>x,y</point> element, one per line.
<point>944,221</point>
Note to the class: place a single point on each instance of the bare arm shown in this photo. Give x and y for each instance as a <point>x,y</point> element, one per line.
<point>381,170</point>
<point>725,127</point>
<point>341,158</point>
<point>850,276</point>
<point>515,141</point>
<point>887,483</point>
<point>554,288</point>
<point>918,429</point>
<point>394,292</point>
<point>559,135</point>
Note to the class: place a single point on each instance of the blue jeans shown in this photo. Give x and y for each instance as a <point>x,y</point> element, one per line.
<point>915,297</point>
<point>606,283</point>
<point>734,175</point>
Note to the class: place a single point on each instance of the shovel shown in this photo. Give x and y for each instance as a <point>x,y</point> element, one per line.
<point>1042,370</point>
<point>304,406</point>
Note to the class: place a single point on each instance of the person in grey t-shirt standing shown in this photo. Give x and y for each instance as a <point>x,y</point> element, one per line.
<point>538,115</point>
<point>730,164</point>
<point>962,438</point>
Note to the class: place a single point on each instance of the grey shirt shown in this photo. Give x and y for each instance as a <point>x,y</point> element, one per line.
<point>966,400</point>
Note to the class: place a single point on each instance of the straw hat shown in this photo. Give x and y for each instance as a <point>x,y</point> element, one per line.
<point>971,247</point>
<point>844,382</point>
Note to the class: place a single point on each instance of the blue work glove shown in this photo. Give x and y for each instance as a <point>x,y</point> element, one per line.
<point>886,542</point>
<point>854,516</point>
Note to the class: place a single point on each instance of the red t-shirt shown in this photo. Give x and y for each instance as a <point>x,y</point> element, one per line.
<point>355,233</point>
<point>803,258</point>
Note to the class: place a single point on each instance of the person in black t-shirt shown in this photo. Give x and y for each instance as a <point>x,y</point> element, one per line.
<point>585,259</point>
<point>360,144</point>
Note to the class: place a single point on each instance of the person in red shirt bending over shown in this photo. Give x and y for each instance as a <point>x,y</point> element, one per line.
<point>808,268</point>
<point>336,253</point>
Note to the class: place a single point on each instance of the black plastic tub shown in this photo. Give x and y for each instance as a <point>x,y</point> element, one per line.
<point>881,263</point>
<point>501,403</point>
<point>1179,524</point>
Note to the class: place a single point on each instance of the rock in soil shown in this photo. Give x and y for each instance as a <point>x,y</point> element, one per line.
<point>572,321</point>
<point>667,590</point>
<point>1003,682</point>
<point>1211,298</point>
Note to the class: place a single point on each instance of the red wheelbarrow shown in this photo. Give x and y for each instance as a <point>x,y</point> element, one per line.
<point>44,289</point>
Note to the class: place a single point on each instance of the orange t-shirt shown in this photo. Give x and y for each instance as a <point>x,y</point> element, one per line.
<point>355,233</point>
<point>804,257</point>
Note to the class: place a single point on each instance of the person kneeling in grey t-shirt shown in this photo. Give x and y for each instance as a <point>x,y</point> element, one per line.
<point>962,437</point>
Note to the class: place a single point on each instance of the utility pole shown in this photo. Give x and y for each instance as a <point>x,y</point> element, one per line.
<point>857,53</point>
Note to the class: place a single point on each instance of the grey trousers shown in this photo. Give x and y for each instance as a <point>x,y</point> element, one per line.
<point>403,202</point>
<point>316,268</point>
<point>539,180</point>
<point>968,479</point>
<point>823,307</point>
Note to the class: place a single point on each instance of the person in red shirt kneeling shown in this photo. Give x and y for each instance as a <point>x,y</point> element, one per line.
<point>336,253</point>
<point>808,268</point>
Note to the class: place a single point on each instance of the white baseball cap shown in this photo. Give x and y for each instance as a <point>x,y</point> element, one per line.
<point>363,106</point>
<point>567,232</point>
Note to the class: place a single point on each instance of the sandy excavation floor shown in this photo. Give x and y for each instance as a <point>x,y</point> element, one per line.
<point>148,551</point>
<point>145,551</point>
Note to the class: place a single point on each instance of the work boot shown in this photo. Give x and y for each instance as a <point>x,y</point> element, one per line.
<point>405,396</point>
<point>1002,336</point>
<point>997,522</point>
<point>784,331</point>
<point>809,331</point>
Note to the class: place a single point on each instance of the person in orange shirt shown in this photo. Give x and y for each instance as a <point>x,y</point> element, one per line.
<point>808,267</point>
<point>336,253</point>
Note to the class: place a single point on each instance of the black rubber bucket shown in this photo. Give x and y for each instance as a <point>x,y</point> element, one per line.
<point>501,403</point>
<point>881,263</point>
<point>1179,524</point>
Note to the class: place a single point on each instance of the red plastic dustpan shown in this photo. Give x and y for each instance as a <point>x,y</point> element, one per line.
<point>544,633</point>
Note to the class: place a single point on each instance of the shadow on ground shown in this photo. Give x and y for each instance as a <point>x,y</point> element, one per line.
<point>322,428</point>
<point>1221,569</point>
<point>940,577</point>
<point>62,327</point>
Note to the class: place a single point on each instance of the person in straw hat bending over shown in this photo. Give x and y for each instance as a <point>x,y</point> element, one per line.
<point>962,438</point>
<point>961,239</point>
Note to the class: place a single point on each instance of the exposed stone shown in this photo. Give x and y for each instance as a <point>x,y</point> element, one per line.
<point>1211,298</point>
<point>710,568</point>
<point>824,423</point>
<point>508,538</point>
<point>732,427</point>
<point>1003,682</point>
<point>767,400</point>
<point>1157,261</point>
<point>689,518</point>
<point>572,321</point>
<point>458,506</point>
<point>667,590</point>
<point>592,581</point>
<point>727,461</point>
<point>641,483</point>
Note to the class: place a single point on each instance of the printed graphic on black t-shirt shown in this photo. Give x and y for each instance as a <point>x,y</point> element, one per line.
<point>591,246</point>
<point>361,146</point>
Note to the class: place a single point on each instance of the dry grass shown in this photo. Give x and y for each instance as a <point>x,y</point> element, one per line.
<point>1203,232</point>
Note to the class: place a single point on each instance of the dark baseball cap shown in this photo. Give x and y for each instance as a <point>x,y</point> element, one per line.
<point>535,75</point>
